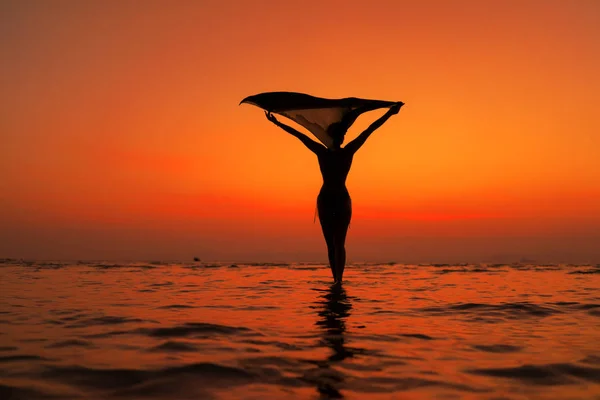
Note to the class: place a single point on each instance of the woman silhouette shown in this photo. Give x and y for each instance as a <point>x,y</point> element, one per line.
<point>333,203</point>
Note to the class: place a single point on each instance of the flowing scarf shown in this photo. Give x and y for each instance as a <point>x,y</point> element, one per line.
<point>320,116</point>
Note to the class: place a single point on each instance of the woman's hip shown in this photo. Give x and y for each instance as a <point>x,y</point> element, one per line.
<point>334,204</point>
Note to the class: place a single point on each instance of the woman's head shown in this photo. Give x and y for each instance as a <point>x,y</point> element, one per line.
<point>337,142</point>
<point>337,132</point>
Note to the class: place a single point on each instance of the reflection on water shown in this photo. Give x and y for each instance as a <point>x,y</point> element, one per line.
<point>334,308</point>
<point>221,331</point>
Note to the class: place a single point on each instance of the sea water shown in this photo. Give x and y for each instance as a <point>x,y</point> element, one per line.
<point>98,330</point>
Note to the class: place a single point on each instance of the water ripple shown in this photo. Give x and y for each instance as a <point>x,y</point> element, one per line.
<point>159,330</point>
<point>195,329</point>
<point>550,374</point>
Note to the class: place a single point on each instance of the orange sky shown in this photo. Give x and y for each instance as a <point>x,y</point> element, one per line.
<point>121,136</point>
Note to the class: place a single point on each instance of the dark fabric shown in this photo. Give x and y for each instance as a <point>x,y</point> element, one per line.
<point>316,114</point>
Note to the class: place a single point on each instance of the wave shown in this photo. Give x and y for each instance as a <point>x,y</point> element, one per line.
<point>507,310</point>
<point>21,392</point>
<point>549,374</point>
<point>21,357</point>
<point>103,320</point>
<point>70,343</point>
<point>174,307</point>
<point>151,382</point>
<point>586,271</point>
<point>174,347</point>
<point>196,329</point>
<point>498,348</point>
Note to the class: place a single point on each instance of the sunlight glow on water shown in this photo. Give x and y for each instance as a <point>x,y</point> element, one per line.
<point>179,331</point>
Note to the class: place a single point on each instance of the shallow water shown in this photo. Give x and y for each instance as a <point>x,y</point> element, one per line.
<point>199,331</point>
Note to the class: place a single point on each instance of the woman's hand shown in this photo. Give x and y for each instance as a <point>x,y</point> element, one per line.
<point>395,108</point>
<point>271,117</point>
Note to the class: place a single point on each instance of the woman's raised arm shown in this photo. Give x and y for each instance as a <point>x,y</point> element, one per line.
<point>311,144</point>
<point>356,144</point>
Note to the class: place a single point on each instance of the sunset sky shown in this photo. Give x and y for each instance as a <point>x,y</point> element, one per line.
<point>121,136</point>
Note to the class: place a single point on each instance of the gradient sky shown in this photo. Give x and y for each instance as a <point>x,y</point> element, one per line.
<point>121,136</point>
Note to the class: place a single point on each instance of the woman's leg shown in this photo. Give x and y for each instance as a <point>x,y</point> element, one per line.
<point>328,234</point>
<point>339,245</point>
<point>339,242</point>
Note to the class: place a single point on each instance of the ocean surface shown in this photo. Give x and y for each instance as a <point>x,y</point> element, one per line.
<point>98,330</point>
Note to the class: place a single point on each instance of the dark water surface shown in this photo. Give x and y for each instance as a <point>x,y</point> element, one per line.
<point>221,331</point>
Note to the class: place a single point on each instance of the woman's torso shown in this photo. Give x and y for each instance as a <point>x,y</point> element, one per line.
<point>335,165</point>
